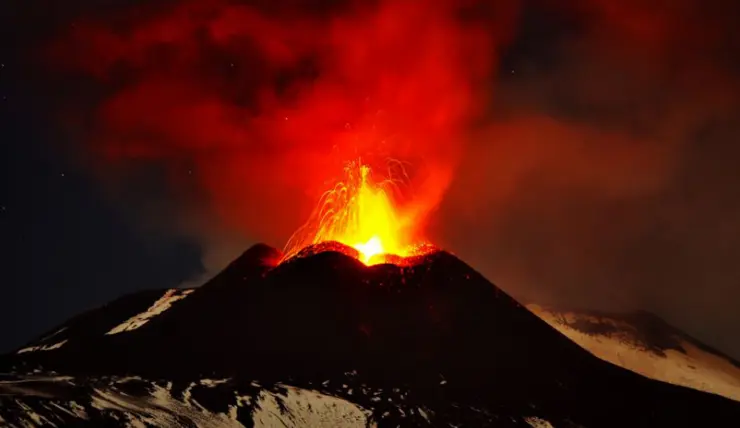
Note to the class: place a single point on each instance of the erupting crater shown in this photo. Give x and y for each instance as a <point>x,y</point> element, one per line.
<point>359,217</point>
<point>414,256</point>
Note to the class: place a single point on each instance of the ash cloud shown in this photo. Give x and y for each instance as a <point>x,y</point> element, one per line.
<point>609,164</point>
<point>250,110</point>
<point>579,153</point>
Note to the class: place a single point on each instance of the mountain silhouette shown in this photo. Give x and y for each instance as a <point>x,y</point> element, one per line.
<point>323,340</point>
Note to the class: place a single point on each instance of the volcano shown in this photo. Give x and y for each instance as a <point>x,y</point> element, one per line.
<point>322,339</point>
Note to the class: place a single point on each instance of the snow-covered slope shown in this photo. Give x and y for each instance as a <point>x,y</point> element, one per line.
<point>647,345</point>
<point>46,401</point>
<point>135,402</point>
<point>121,315</point>
<point>162,304</point>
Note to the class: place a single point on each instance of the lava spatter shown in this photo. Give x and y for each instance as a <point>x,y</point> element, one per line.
<point>360,212</point>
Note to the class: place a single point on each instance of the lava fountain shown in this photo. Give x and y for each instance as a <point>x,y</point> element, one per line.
<point>360,212</point>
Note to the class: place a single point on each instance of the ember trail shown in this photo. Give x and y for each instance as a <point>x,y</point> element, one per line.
<point>359,212</point>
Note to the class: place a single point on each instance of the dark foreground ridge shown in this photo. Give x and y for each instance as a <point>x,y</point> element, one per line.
<point>428,343</point>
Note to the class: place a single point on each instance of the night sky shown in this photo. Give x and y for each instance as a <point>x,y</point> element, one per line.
<point>580,152</point>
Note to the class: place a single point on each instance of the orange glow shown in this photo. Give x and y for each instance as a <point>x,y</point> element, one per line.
<point>359,212</point>
<point>370,249</point>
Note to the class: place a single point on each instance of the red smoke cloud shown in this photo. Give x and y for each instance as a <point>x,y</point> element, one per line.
<point>604,173</point>
<point>265,106</point>
<point>597,166</point>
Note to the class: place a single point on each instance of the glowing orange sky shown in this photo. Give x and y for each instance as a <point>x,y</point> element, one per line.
<point>395,80</point>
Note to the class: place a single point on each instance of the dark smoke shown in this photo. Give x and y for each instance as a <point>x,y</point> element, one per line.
<point>579,152</point>
<point>609,164</point>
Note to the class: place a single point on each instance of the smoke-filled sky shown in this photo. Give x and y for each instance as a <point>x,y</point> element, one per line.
<point>578,152</point>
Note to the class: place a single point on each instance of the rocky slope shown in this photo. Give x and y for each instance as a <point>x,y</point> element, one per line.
<point>323,340</point>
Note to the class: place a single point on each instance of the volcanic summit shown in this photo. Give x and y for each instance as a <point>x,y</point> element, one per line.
<point>321,339</point>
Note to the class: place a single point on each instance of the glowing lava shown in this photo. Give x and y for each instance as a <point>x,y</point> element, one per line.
<point>359,212</point>
<point>371,248</point>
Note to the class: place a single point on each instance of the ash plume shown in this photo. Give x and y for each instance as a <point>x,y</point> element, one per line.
<point>579,153</point>
<point>256,108</point>
<point>608,163</point>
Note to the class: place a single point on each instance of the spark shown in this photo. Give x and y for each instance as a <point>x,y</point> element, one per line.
<point>360,212</point>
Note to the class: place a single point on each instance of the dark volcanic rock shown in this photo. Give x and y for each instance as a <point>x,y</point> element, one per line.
<point>433,334</point>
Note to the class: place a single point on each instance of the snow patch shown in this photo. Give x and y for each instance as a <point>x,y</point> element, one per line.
<point>75,410</point>
<point>128,379</point>
<point>306,408</point>
<point>213,382</point>
<point>43,347</point>
<point>535,422</point>
<point>160,409</point>
<point>35,418</point>
<point>160,306</point>
<point>53,334</point>
<point>37,379</point>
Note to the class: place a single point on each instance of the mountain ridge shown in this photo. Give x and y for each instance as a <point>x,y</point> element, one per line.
<point>434,328</point>
<point>648,345</point>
